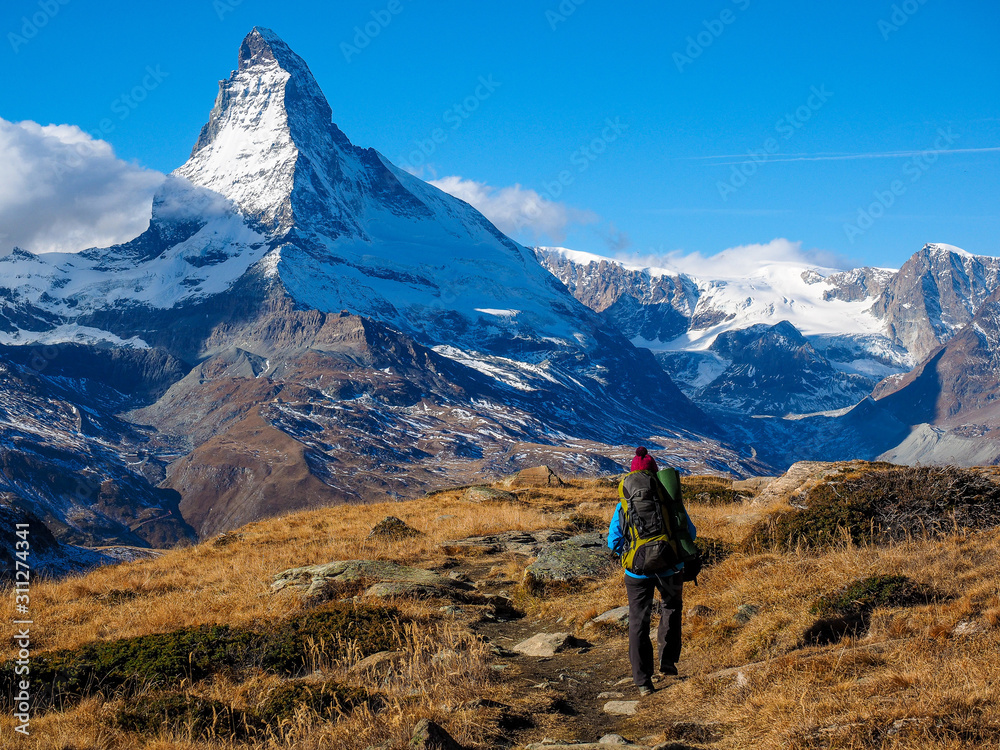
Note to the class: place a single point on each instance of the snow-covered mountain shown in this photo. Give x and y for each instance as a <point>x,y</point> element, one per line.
<point>345,330</point>
<point>694,326</point>
<point>860,326</point>
<point>273,187</point>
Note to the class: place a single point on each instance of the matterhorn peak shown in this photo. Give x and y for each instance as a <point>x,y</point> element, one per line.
<point>262,49</point>
<point>348,230</point>
<point>270,125</point>
<point>262,43</point>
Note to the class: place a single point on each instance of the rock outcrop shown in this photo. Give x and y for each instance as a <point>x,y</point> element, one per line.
<point>580,558</point>
<point>545,644</point>
<point>377,578</point>
<point>528,543</point>
<point>485,494</point>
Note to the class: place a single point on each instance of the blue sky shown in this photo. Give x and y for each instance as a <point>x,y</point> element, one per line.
<point>863,129</point>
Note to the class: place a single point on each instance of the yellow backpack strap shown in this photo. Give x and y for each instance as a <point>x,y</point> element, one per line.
<point>627,541</point>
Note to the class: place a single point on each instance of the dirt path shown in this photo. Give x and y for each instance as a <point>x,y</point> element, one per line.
<point>558,697</point>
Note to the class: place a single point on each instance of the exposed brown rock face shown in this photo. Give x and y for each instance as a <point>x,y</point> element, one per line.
<point>933,295</point>
<point>249,471</point>
<point>958,382</point>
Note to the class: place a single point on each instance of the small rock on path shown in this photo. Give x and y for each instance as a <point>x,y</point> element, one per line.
<point>544,644</point>
<point>621,708</point>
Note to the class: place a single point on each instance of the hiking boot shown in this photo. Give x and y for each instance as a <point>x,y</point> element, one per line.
<point>645,690</point>
<point>669,670</point>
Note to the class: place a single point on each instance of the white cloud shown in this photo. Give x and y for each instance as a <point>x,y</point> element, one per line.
<point>61,190</point>
<point>740,261</point>
<point>516,209</point>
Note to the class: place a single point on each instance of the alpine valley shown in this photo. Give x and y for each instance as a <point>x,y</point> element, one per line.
<point>304,324</point>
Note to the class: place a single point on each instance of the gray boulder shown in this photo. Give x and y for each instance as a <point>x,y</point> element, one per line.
<point>528,543</point>
<point>616,618</point>
<point>580,558</point>
<point>333,580</point>
<point>621,708</point>
<point>544,644</point>
<point>484,494</point>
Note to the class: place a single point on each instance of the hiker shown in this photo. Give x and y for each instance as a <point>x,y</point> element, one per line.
<point>642,461</point>
<point>641,589</point>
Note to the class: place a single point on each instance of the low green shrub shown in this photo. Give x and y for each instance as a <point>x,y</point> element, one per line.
<point>713,551</point>
<point>709,490</point>
<point>867,594</point>
<point>201,717</point>
<point>204,718</point>
<point>882,504</point>
<point>194,653</point>
<point>847,611</point>
<point>323,698</point>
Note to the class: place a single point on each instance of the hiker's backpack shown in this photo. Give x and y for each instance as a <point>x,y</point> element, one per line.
<point>656,531</point>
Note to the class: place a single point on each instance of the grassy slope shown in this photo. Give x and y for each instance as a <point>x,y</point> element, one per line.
<point>934,663</point>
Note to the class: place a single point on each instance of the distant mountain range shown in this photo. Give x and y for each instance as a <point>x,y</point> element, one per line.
<point>803,360</point>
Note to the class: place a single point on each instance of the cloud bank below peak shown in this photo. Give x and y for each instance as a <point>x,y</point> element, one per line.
<point>515,210</point>
<point>63,191</point>
<point>739,261</point>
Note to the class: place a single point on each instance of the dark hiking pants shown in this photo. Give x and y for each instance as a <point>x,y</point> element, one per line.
<point>640,611</point>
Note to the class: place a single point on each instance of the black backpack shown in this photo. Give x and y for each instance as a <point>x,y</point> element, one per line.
<point>657,537</point>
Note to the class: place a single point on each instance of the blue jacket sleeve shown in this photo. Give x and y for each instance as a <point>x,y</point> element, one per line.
<point>615,534</point>
<point>691,529</point>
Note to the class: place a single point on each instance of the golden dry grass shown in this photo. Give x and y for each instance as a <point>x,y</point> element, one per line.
<point>229,583</point>
<point>924,676</point>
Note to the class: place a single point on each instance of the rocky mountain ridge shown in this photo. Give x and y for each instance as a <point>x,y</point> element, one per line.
<point>866,324</point>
